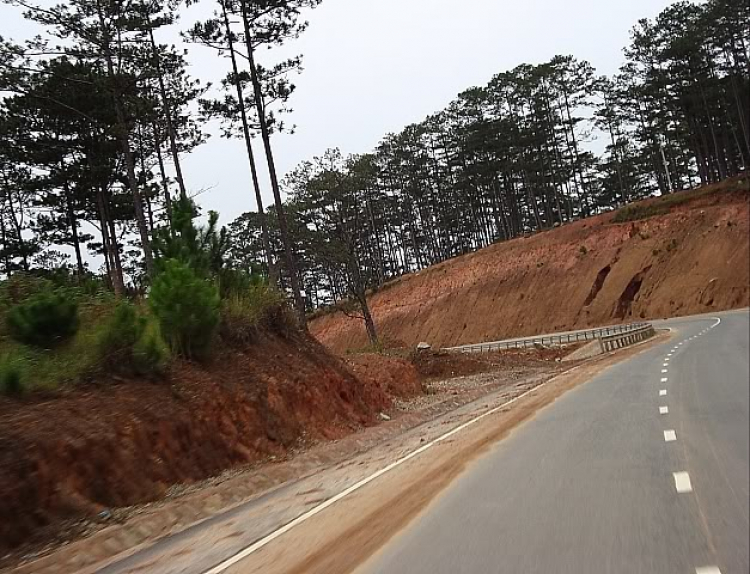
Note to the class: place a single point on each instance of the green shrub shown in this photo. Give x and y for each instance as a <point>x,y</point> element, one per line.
<point>43,319</point>
<point>131,342</point>
<point>150,352</point>
<point>242,313</point>
<point>11,383</point>
<point>187,308</point>
<point>119,334</point>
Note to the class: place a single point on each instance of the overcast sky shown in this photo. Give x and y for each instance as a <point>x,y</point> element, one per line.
<point>374,66</point>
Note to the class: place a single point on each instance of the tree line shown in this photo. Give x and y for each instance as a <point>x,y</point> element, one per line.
<point>92,122</point>
<point>96,112</point>
<point>515,156</point>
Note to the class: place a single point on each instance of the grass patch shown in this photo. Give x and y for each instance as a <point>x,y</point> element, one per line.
<point>68,362</point>
<point>665,203</point>
<point>243,313</point>
<point>11,382</point>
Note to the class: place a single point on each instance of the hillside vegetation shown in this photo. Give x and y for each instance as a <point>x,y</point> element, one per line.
<point>680,254</point>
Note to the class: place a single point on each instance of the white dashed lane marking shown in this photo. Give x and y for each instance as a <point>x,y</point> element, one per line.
<point>664,370</point>
<point>670,435</point>
<point>663,410</point>
<point>664,379</point>
<point>663,393</point>
<point>682,482</point>
<point>707,570</point>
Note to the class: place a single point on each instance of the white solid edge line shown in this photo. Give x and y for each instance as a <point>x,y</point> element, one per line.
<point>325,504</point>
<point>682,482</point>
<point>708,570</point>
<point>257,545</point>
<point>663,410</point>
<point>663,393</point>
<point>670,435</point>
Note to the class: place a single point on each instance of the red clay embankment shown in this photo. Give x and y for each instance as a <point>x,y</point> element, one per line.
<point>692,257</point>
<point>115,442</point>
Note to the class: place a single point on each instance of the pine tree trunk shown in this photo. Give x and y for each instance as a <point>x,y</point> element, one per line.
<point>273,275</point>
<point>163,175</point>
<point>109,244</point>
<point>167,111</point>
<point>73,223</point>
<point>122,129</point>
<point>291,264</point>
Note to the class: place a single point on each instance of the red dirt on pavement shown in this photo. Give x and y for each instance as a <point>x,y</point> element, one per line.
<point>695,258</point>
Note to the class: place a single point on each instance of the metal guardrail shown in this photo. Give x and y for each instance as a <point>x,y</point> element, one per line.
<point>612,342</point>
<point>557,340</point>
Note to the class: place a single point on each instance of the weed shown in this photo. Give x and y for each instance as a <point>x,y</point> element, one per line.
<point>242,313</point>
<point>11,381</point>
<point>150,352</point>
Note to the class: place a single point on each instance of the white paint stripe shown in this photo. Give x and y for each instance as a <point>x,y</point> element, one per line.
<point>663,410</point>
<point>670,435</point>
<point>242,554</point>
<point>664,379</point>
<point>663,393</point>
<point>665,364</point>
<point>708,570</point>
<point>682,482</point>
<point>665,370</point>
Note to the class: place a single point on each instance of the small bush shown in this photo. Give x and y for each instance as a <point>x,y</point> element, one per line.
<point>150,352</point>
<point>132,343</point>
<point>119,334</point>
<point>636,212</point>
<point>10,377</point>
<point>187,308</point>
<point>43,320</point>
<point>242,313</point>
<point>582,250</point>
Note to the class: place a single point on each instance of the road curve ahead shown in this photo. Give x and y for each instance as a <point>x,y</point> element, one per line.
<point>643,469</point>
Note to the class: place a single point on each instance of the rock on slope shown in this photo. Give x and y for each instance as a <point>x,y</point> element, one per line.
<point>692,259</point>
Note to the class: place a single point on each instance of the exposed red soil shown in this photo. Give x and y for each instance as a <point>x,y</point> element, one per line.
<point>122,442</point>
<point>442,364</point>
<point>693,259</point>
<point>395,376</point>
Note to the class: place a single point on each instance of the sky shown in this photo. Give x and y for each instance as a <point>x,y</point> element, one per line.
<point>374,66</point>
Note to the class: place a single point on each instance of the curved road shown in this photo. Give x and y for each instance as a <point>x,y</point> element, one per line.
<point>644,469</point>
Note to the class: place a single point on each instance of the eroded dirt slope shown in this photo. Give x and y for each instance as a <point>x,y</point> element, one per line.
<point>693,259</point>
<point>116,442</point>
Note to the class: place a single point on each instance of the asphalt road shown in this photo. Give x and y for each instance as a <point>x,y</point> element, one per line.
<point>607,480</point>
